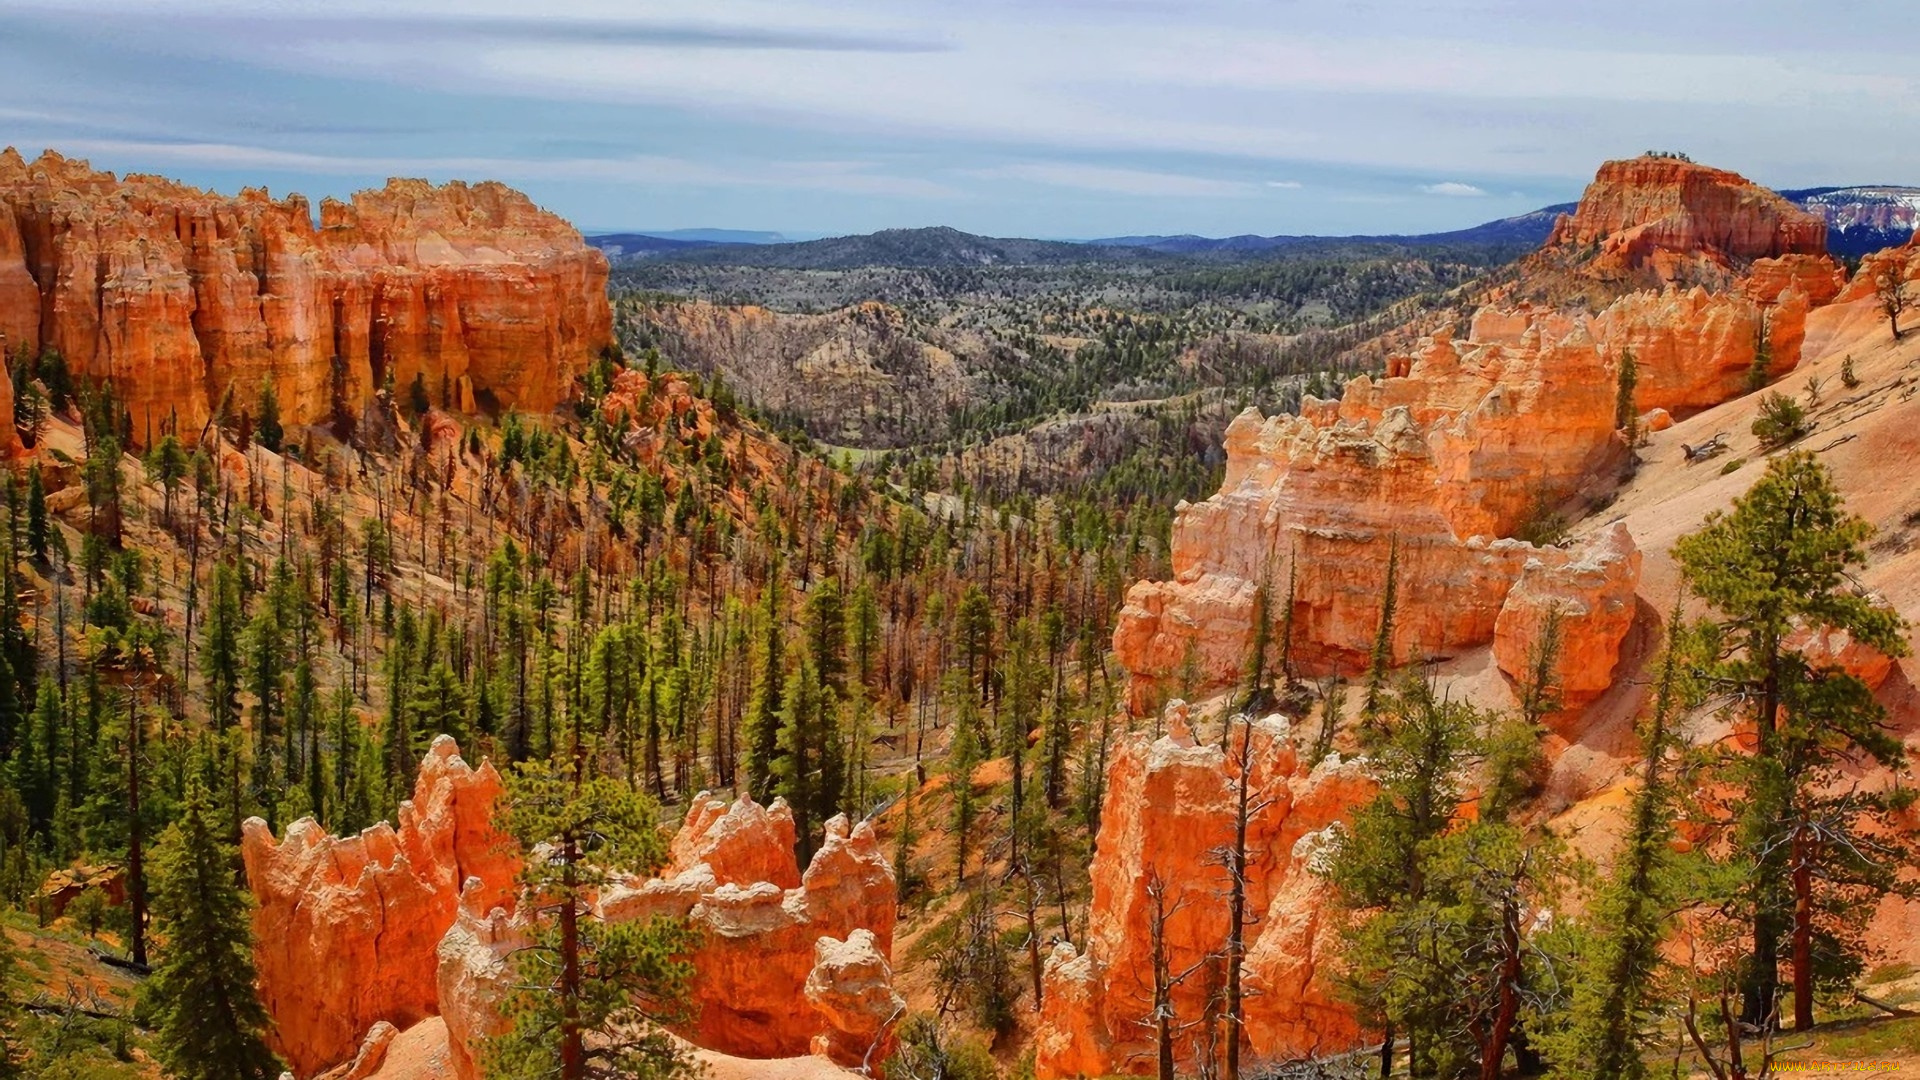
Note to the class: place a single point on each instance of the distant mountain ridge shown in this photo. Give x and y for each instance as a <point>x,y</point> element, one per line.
<point>928,248</point>
<point>1861,219</point>
<point>1864,218</point>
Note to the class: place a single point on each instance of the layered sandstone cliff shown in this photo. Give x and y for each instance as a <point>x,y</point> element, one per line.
<point>346,929</point>
<point>788,963</point>
<point>1668,219</point>
<point>181,296</point>
<point>1169,813</point>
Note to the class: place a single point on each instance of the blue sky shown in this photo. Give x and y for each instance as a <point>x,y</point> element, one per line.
<point>1056,118</point>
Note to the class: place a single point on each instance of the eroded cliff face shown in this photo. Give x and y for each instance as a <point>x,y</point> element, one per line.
<point>788,963</point>
<point>1170,810</point>
<point>346,929</point>
<point>181,295</point>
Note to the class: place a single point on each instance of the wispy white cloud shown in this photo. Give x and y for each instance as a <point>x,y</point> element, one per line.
<point>848,177</point>
<point>623,107</point>
<point>1454,189</point>
<point>1117,181</point>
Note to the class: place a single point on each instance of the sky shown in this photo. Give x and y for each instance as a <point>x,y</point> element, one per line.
<point>1048,118</point>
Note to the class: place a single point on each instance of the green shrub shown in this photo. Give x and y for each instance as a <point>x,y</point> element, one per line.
<point>1781,421</point>
<point>928,1049</point>
<point>1545,525</point>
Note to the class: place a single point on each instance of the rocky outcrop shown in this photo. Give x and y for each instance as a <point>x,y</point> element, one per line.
<point>851,987</point>
<point>473,971</point>
<point>182,296</point>
<point>1665,219</point>
<point>1694,349</point>
<point>759,935</point>
<point>346,929</point>
<point>780,970</point>
<point>862,375</point>
<point>1816,277</point>
<point>1902,264</point>
<point>1704,279</point>
<point>1829,647</point>
<point>1430,470</point>
<point>1169,810</point>
<point>1586,603</point>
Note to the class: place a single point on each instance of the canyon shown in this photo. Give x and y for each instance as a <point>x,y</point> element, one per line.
<point>1495,480</point>
<point>183,297</point>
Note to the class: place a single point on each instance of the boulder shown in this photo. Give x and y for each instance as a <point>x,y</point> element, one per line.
<point>372,1054</point>
<point>851,987</point>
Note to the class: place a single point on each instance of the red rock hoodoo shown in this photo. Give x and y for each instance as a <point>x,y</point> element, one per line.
<point>346,929</point>
<point>180,295</point>
<point>1169,811</point>
<point>788,963</point>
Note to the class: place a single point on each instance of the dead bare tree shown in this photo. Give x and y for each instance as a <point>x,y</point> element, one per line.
<point>1234,857</point>
<point>1890,291</point>
<point>1163,1018</point>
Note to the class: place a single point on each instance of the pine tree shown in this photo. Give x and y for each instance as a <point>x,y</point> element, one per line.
<point>826,622</point>
<point>36,514</point>
<point>1616,990</point>
<point>591,996</point>
<point>865,630</point>
<point>211,1024</point>
<point>809,771</point>
<point>1781,560</point>
<point>1381,867</point>
<point>1627,381</point>
<point>220,648</point>
<point>973,621</point>
<point>764,708</point>
<point>1381,659</point>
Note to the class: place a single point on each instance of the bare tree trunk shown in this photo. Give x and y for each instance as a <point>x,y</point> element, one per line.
<point>136,858</point>
<point>1802,929</point>
<point>573,1058</point>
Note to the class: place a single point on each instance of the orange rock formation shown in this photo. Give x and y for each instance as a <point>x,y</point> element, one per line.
<point>1594,593</point>
<point>1169,810</point>
<point>1432,469</point>
<point>1672,220</point>
<point>788,963</point>
<point>1450,455</point>
<point>346,928</point>
<point>181,295</point>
